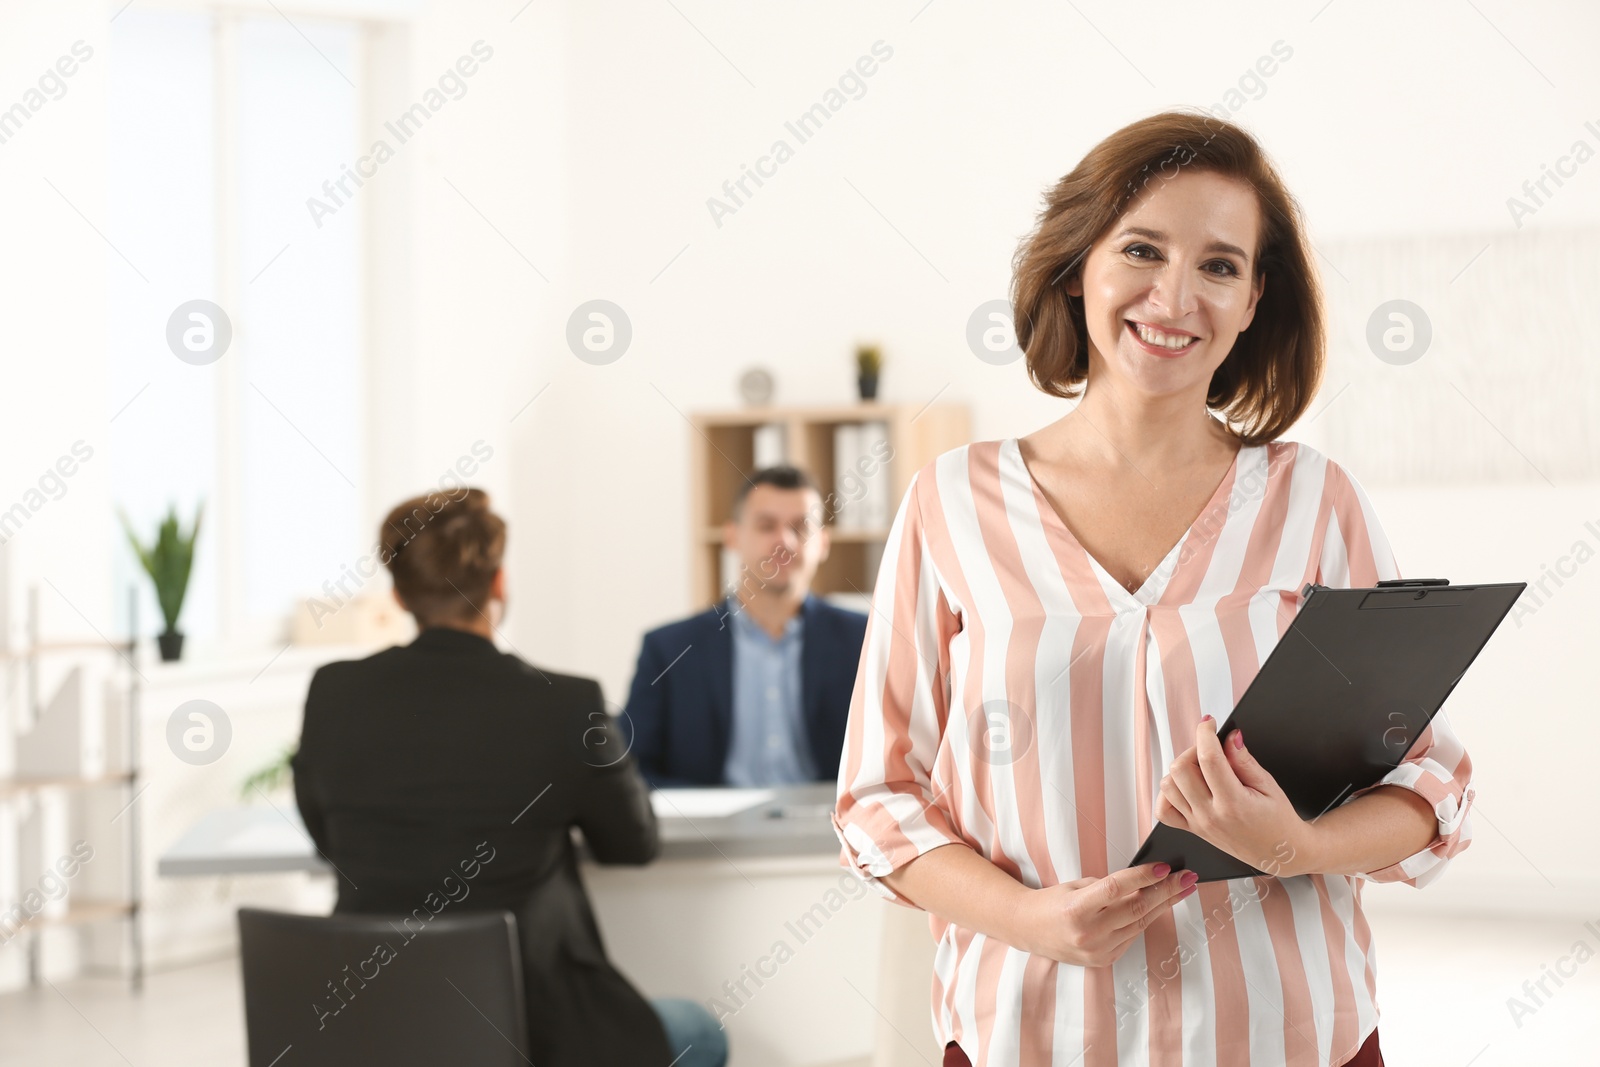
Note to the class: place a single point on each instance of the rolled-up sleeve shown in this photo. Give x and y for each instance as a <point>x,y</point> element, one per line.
<point>1439,770</point>
<point>1355,552</point>
<point>888,810</point>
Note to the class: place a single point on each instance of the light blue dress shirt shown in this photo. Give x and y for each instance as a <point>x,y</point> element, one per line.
<point>769,745</point>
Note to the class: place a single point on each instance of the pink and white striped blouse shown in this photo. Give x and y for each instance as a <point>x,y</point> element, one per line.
<point>1014,697</point>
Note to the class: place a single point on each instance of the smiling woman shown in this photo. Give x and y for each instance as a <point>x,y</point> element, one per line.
<point>1271,374</point>
<point>1060,618</point>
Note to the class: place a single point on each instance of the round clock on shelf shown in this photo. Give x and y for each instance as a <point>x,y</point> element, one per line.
<point>755,386</point>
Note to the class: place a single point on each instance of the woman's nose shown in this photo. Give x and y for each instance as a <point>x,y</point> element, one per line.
<point>1174,292</point>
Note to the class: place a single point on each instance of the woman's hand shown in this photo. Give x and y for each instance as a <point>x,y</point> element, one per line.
<point>1091,922</point>
<point>1221,794</point>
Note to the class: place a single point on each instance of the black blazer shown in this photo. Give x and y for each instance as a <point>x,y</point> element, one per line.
<point>680,708</point>
<point>418,762</point>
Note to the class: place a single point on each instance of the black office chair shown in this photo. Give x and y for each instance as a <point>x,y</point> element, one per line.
<point>378,989</point>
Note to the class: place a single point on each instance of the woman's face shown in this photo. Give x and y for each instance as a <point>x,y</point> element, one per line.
<point>1179,264</point>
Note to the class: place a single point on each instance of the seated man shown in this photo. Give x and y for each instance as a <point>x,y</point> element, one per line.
<point>755,691</point>
<point>447,774</point>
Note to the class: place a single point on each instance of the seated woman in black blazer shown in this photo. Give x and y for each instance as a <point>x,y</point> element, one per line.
<point>447,755</point>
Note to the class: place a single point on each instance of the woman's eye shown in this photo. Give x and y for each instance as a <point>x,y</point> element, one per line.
<point>1228,270</point>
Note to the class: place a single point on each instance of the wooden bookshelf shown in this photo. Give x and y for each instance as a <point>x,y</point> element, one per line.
<point>723,455</point>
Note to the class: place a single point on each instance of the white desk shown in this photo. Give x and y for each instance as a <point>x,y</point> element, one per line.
<point>752,909</point>
<point>263,838</point>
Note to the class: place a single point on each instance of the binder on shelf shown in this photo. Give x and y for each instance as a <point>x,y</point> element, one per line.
<point>770,445</point>
<point>877,509</point>
<point>846,478</point>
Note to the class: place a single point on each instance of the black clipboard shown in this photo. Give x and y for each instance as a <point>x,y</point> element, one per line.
<point>1344,694</point>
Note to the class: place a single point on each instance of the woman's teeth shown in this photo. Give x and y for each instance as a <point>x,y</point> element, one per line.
<point>1163,340</point>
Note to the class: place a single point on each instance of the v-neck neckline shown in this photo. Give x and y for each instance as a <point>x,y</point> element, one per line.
<point>1145,594</point>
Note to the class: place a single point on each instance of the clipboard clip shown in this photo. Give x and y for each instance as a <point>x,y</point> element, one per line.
<point>1400,583</point>
<point>1388,583</point>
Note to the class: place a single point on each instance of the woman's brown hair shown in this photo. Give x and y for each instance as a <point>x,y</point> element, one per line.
<point>1272,373</point>
<point>443,550</point>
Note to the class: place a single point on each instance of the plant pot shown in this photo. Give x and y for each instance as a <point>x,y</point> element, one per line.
<point>867,385</point>
<point>171,645</point>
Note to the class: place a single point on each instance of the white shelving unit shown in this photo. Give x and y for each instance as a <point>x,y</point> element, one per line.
<point>79,739</point>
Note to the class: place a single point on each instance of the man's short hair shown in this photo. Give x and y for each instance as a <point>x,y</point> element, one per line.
<point>782,476</point>
<point>443,550</point>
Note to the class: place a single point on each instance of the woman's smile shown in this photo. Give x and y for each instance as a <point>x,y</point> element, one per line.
<point>1167,343</point>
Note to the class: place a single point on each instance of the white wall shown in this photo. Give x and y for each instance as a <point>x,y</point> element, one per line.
<point>53,268</point>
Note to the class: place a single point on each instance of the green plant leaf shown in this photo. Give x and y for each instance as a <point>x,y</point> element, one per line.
<point>270,776</point>
<point>168,561</point>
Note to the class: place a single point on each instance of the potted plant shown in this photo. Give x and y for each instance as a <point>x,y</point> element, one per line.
<point>272,777</point>
<point>869,361</point>
<point>167,561</point>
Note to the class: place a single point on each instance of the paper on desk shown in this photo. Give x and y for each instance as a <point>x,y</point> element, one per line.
<point>267,837</point>
<point>712,803</point>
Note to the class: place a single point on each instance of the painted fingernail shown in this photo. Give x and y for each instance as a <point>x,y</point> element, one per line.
<point>1163,869</point>
<point>1205,718</point>
<point>1189,878</point>
<point>1238,739</point>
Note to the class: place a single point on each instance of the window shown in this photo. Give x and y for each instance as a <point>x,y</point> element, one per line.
<point>220,129</point>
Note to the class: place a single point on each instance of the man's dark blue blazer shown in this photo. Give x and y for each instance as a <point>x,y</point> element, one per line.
<point>680,708</point>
